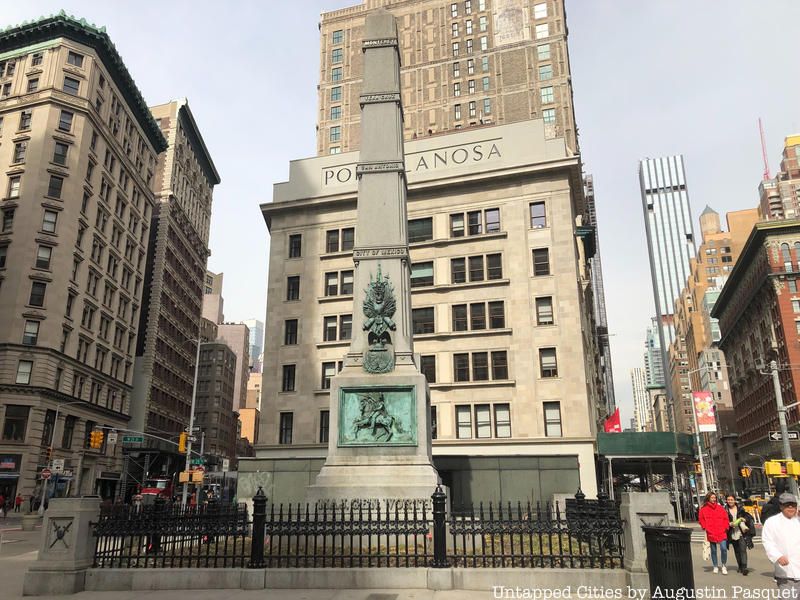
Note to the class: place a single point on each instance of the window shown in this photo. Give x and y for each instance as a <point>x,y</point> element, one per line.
<point>25,119</point>
<point>336,74</point>
<point>455,48</point>
<point>55,186</point>
<point>328,371</point>
<point>483,421</point>
<point>793,286</point>
<point>541,262</point>
<point>60,156</point>
<point>538,215</point>
<point>480,366</point>
<point>485,84</point>
<point>469,27</point>
<point>456,69</point>
<point>48,427</point>
<point>8,220</point>
<point>454,29</point>
<point>473,111</point>
<point>468,7</point>
<point>796,306</point>
<point>470,66</point>
<point>336,93</point>
<point>71,86</point>
<point>477,222</point>
<point>20,149</point>
<point>421,274</point>
<point>290,332</point>
<point>539,11</point>
<point>65,121</point>
<point>329,329</point>
<point>422,320</point>
<point>38,290</point>
<point>49,221</point>
<point>335,150</point>
<point>469,46</point>
<point>37,59</point>
<point>295,246</point>
<point>547,95</point>
<point>293,287</point>
<point>458,270</point>
<point>345,327</point>
<point>33,85</point>
<point>333,236</point>
<point>544,310</point>
<point>420,230</point>
<point>477,316</point>
<point>787,257</point>
<point>31,333</point>
<point>552,419</point>
<point>499,365</point>
<point>497,315</point>
<point>336,133</point>
<point>464,422</point>
<point>69,432</point>
<point>288,381</point>
<point>457,112</point>
<point>427,367</point>
<point>75,59</point>
<point>336,56</point>
<point>502,421</point>
<point>456,89</point>
<point>285,434</point>
<point>542,30</point>
<point>549,115</point>
<point>543,51</point>
<point>494,266</point>
<point>434,424</point>
<point>3,256</point>
<point>13,186</point>
<point>16,422</point>
<point>482,23</point>
<point>460,320</point>
<point>461,367</point>
<point>485,64</point>
<point>454,10</point>
<point>336,112</point>
<point>324,426</point>
<point>548,366</point>
<point>545,72</point>
<point>43,255</point>
<point>484,43</point>
<point>24,368</point>
<point>338,36</point>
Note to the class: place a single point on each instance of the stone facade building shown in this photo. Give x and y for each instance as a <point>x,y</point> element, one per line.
<point>759,319</point>
<point>502,313</point>
<point>214,414</point>
<point>464,64</point>
<point>78,147</point>
<point>176,266</point>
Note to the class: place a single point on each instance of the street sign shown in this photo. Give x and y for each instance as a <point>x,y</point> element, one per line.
<point>775,436</point>
<point>132,439</point>
<point>198,461</point>
<point>46,474</point>
<point>226,464</point>
<point>58,465</point>
<point>112,437</point>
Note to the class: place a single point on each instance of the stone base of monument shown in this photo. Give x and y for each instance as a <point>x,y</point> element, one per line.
<point>380,439</point>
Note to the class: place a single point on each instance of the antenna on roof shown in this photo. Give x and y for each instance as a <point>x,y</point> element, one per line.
<point>764,150</point>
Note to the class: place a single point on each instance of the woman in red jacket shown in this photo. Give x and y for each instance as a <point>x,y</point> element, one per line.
<point>714,520</point>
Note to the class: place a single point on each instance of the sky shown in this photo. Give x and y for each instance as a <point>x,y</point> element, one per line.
<point>650,77</point>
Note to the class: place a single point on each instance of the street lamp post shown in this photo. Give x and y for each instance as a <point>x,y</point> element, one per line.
<point>787,449</point>
<point>190,436</point>
<point>50,448</point>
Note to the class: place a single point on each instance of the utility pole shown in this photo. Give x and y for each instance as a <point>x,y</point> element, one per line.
<point>190,437</point>
<point>787,448</point>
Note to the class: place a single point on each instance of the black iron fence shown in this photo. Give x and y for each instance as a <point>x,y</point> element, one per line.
<point>363,533</point>
<point>168,535</point>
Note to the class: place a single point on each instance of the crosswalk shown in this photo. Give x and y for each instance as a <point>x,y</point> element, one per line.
<point>700,536</point>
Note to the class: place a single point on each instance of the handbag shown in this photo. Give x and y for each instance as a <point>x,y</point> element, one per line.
<point>706,550</point>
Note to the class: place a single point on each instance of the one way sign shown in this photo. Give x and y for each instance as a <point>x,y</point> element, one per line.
<point>775,436</point>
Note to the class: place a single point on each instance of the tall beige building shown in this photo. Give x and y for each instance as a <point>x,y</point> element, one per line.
<point>463,64</point>
<point>237,337</point>
<point>212,298</point>
<point>501,303</point>
<point>78,147</point>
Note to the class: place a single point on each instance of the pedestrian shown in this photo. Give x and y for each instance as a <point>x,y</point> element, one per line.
<point>781,539</point>
<point>2,506</point>
<point>773,507</point>
<point>714,520</point>
<point>740,533</point>
<point>18,503</point>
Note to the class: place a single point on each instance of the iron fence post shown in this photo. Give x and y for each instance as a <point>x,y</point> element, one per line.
<point>259,527</point>
<point>439,530</point>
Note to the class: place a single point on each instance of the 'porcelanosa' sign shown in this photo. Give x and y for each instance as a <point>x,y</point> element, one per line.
<point>420,163</point>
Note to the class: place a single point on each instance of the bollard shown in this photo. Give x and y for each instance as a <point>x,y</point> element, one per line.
<point>439,529</point>
<point>259,525</point>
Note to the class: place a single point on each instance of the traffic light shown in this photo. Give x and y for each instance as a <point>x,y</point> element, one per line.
<point>48,455</point>
<point>793,467</point>
<point>182,442</point>
<point>96,439</point>
<point>775,468</point>
<point>745,471</point>
<point>698,468</point>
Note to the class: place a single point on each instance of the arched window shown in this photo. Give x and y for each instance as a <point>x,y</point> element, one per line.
<point>797,254</point>
<point>787,257</point>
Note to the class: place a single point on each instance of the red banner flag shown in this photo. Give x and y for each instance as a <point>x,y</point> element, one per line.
<point>612,424</point>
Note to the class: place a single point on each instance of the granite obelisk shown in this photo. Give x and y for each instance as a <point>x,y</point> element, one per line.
<point>380,439</point>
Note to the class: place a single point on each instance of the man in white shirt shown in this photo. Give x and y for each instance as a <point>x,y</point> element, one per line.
<point>781,540</point>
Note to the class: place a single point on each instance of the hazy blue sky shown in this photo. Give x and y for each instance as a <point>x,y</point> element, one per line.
<point>651,77</point>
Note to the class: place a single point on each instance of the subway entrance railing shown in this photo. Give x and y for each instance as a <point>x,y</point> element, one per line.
<point>362,533</point>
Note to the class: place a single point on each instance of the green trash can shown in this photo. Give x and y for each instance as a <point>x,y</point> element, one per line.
<point>669,559</point>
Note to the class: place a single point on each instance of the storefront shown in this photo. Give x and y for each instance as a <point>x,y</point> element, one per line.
<point>9,474</point>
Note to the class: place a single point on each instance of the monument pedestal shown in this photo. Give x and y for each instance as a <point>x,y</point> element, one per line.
<point>380,440</point>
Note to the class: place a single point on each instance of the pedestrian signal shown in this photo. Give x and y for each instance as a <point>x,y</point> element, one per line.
<point>745,471</point>
<point>793,467</point>
<point>96,439</point>
<point>182,442</point>
<point>775,468</point>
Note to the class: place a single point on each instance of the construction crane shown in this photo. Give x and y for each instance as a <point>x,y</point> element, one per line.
<point>767,175</point>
